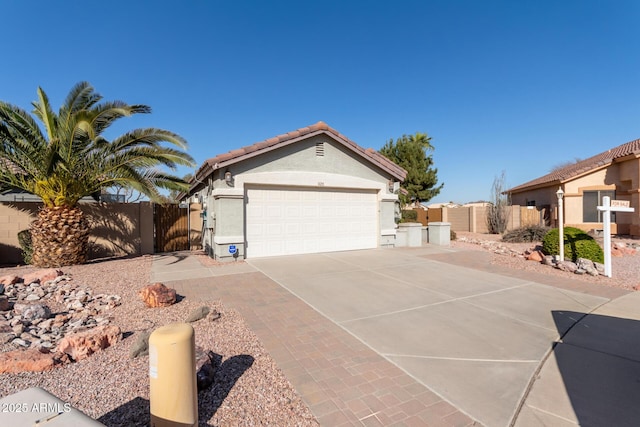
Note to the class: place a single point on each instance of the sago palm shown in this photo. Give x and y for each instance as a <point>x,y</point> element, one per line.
<point>62,157</point>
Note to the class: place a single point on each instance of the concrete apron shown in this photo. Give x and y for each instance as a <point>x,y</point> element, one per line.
<point>475,338</point>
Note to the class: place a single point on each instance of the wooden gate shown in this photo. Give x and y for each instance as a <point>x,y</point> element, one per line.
<point>171,228</point>
<point>534,215</point>
<point>434,215</point>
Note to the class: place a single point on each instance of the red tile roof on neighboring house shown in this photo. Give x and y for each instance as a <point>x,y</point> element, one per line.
<point>279,141</point>
<point>588,165</point>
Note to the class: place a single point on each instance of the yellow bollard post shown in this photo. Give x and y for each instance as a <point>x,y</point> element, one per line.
<point>173,393</point>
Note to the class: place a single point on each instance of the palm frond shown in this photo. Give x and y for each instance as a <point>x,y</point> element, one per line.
<point>105,114</point>
<point>43,110</point>
<point>81,97</point>
<point>72,159</point>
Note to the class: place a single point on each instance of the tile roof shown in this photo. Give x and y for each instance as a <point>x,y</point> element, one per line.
<point>258,148</point>
<point>584,166</point>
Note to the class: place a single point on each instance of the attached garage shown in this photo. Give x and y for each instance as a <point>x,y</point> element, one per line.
<point>290,220</point>
<point>307,191</point>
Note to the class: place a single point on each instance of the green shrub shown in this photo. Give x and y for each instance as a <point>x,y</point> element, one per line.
<point>577,244</point>
<point>409,216</point>
<point>24,238</point>
<point>526,234</point>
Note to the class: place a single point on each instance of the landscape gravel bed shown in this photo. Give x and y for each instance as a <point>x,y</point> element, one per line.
<point>249,388</point>
<point>625,269</point>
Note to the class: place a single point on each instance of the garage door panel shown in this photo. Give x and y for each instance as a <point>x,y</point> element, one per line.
<point>291,221</point>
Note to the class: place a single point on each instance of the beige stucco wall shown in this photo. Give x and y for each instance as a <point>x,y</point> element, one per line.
<point>118,229</point>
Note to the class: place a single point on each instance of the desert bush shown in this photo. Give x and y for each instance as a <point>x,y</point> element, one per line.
<point>24,239</point>
<point>452,235</point>
<point>409,216</point>
<point>497,211</point>
<point>526,234</point>
<point>577,244</point>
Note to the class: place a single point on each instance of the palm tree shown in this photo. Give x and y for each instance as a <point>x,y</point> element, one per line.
<point>67,158</point>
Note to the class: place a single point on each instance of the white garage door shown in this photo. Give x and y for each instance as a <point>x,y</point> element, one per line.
<point>286,221</point>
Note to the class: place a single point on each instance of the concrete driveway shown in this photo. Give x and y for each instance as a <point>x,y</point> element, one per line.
<point>474,337</point>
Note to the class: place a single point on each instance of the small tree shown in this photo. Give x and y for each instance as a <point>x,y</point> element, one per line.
<point>64,156</point>
<point>410,153</point>
<point>497,212</point>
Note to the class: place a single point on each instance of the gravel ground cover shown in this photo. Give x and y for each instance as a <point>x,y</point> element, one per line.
<point>249,388</point>
<point>625,270</point>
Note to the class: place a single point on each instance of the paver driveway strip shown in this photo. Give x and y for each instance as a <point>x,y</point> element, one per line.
<point>473,337</point>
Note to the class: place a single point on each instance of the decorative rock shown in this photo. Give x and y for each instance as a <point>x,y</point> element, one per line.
<point>33,360</point>
<point>5,305</point>
<point>566,266</point>
<point>535,256</point>
<point>579,271</point>
<point>587,265</point>
<point>157,295</point>
<point>141,346</point>
<point>81,345</point>
<point>36,311</point>
<point>214,315</point>
<point>9,279</point>
<point>31,325</point>
<point>42,276</point>
<point>46,324</point>
<point>19,342</point>
<point>4,326</point>
<point>197,314</point>
<point>207,363</point>
<point>548,260</point>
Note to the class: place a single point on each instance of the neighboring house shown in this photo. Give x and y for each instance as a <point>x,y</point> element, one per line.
<point>311,190</point>
<point>614,173</point>
<point>443,205</point>
<point>479,204</point>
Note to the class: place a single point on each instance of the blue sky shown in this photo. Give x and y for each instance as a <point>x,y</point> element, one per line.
<point>513,86</point>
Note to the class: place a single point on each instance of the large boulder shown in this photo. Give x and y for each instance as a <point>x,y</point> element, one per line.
<point>157,295</point>
<point>83,344</point>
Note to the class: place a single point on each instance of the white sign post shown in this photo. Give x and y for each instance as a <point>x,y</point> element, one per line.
<point>607,208</point>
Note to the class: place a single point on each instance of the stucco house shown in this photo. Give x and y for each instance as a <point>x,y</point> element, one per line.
<point>307,191</point>
<point>614,173</point>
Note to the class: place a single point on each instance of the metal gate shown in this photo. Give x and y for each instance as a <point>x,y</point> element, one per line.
<point>171,228</point>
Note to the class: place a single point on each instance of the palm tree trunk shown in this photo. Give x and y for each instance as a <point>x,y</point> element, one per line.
<point>60,236</point>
